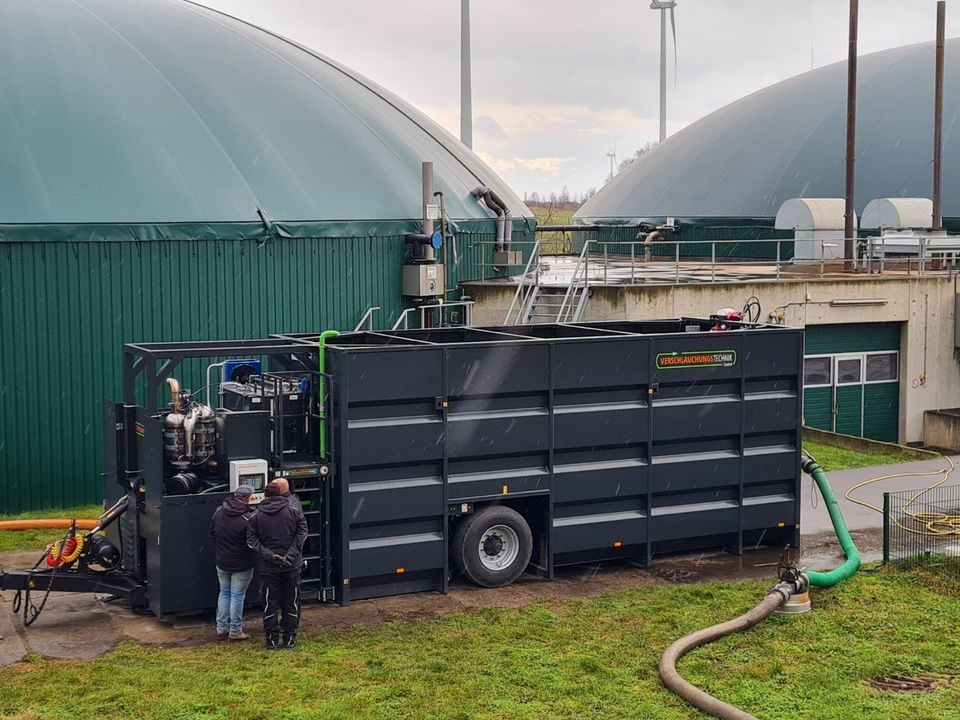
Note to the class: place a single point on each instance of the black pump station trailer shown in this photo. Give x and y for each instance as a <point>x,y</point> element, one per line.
<point>420,454</point>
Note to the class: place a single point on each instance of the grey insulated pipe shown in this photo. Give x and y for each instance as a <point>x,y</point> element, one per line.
<point>711,705</point>
<point>504,216</point>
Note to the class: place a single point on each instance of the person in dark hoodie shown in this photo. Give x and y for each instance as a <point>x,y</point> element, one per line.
<point>234,561</point>
<point>276,533</point>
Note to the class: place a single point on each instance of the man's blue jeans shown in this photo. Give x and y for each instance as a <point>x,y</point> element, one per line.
<point>233,589</point>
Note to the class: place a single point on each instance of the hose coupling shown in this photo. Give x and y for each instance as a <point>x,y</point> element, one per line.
<point>783,589</point>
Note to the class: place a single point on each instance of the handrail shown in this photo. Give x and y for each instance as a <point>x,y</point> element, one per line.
<point>404,317</point>
<point>564,314</point>
<point>523,294</point>
<point>628,262</point>
<point>367,318</point>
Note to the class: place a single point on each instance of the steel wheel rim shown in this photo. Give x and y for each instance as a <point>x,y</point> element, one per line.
<point>499,547</point>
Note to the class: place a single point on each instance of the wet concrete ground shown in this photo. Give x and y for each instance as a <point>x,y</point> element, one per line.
<point>83,626</point>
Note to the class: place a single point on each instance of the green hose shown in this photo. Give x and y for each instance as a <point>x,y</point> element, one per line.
<point>322,367</point>
<point>852,563</point>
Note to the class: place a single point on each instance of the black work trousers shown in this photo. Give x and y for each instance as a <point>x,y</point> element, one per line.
<point>281,602</point>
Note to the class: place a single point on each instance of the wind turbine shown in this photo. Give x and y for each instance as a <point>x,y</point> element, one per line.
<point>613,161</point>
<point>663,6</point>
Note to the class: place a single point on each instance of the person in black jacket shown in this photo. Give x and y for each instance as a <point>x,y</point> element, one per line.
<point>234,561</point>
<point>276,533</point>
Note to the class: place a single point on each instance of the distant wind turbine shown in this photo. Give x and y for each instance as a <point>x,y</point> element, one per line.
<point>613,161</point>
<point>663,6</point>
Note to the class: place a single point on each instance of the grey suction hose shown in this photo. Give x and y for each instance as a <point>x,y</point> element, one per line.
<point>792,582</point>
<point>776,596</point>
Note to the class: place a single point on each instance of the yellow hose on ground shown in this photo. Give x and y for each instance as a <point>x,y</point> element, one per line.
<point>942,524</point>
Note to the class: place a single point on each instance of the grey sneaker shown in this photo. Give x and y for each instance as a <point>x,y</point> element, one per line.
<point>240,636</point>
<point>221,634</point>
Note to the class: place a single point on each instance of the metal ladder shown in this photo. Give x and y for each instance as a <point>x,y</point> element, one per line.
<point>534,303</point>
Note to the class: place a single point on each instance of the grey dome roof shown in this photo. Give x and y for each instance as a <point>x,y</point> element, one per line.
<point>788,140</point>
<point>160,111</point>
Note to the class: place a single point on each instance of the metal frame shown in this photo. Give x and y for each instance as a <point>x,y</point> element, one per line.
<point>284,349</point>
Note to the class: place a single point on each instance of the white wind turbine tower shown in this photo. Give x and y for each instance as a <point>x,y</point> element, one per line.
<point>613,162</point>
<point>663,6</point>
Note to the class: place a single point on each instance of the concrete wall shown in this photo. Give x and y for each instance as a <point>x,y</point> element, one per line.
<point>942,429</point>
<point>930,376</point>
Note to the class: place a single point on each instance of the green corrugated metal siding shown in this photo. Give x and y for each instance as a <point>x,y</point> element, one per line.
<point>816,408</point>
<point>67,308</point>
<point>860,337</point>
<point>881,411</point>
<point>849,410</point>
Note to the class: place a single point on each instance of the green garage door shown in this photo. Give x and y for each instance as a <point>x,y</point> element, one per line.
<point>852,379</point>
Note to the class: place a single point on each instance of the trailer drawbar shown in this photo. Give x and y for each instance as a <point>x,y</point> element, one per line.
<point>421,454</point>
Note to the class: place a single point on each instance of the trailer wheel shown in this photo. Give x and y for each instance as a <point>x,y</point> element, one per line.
<point>493,546</point>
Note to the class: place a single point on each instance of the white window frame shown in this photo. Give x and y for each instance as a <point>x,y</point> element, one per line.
<point>832,371</point>
<point>837,359</point>
<point>895,379</point>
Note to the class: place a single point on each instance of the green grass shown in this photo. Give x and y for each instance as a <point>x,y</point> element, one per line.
<point>591,658</point>
<point>831,457</point>
<point>39,539</point>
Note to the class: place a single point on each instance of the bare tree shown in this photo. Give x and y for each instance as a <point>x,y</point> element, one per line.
<point>647,147</point>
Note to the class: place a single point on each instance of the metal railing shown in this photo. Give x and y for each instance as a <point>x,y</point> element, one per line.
<point>367,319</point>
<point>527,289</point>
<point>921,529</point>
<point>438,314</point>
<point>575,299</point>
<point>639,262</point>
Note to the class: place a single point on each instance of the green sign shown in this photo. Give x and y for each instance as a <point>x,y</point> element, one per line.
<point>696,359</point>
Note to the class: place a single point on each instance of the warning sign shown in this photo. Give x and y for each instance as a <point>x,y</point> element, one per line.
<point>697,359</point>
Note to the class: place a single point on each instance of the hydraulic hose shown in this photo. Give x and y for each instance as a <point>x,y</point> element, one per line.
<point>46,524</point>
<point>322,394</point>
<point>776,597</point>
<point>852,563</point>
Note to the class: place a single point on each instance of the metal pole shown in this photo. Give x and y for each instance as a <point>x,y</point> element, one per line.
<point>466,91</point>
<point>938,114</point>
<point>427,169</point>
<point>663,74</point>
<point>886,528</point>
<point>849,212</point>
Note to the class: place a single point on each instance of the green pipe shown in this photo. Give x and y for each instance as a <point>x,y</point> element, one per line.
<point>852,563</point>
<point>322,367</point>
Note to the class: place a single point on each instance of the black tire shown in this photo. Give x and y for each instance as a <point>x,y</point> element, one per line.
<point>468,554</point>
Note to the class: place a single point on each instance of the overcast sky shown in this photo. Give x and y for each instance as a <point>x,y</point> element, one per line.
<point>557,84</point>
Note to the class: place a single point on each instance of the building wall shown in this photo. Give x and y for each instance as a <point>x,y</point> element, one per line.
<point>930,375</point>
<point>66,309</point>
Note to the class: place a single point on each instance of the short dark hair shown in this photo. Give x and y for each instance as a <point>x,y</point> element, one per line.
<point>273,489</point>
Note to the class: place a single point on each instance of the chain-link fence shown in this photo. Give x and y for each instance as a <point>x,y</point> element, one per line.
<point>921,529</point>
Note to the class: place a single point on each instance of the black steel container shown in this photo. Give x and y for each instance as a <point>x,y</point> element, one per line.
<point>612,440</point>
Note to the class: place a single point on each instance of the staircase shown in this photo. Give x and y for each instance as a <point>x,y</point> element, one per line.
<point>534,303</point>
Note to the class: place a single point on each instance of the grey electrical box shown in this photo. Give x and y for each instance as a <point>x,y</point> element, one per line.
<point>507,258</point>
<point>423,280</point>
